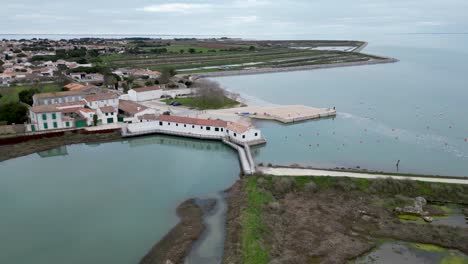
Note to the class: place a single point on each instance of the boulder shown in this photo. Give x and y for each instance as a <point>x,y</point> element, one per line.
<point>428,219</point>
<point>283,185</point>
<point>415,209</point>
<point>275,206</point>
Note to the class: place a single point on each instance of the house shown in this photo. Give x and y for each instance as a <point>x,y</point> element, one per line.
<point>145,93</point>
<point>132,111</point>
<point>64,97</point>
<point>57,97</point>
<point>95,101</point>
<point>155,92</point>
<point>138,73</point>
<point>44,72</point>
<point>54,116</point>
<point>195,127</point>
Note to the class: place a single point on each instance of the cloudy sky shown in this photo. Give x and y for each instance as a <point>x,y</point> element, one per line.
<point>234,18</point>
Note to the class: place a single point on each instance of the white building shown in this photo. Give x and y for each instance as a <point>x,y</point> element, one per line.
<point>154,93</point>
<point>198,128</point>
<point>96,101</point>
<point>55,116</point>
<point>132,111</point>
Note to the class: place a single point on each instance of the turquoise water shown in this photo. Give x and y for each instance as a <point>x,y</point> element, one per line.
<point>413,111</point>
<point>105,203</point>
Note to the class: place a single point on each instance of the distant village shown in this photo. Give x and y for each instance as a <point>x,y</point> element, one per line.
<point>89,100</point>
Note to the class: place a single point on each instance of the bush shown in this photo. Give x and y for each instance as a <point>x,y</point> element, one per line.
<point>26,96</point>
<point>14,112</point>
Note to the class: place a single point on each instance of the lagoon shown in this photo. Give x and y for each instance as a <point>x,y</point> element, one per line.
<point>106,203</point>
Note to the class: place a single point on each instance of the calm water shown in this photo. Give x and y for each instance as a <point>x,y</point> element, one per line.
<point>413,111</point>
<point>105,203</point>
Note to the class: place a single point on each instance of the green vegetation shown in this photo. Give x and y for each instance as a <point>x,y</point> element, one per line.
<point>408,217</point>
<point>204,103</point>
<point>427,247</point>
<point>11,94</point>
<point>13,112</point>
<point>454,259</point>
<point>253,251</point>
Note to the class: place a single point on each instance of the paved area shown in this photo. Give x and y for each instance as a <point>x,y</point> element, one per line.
<point>285,114</point>
<point>313,172</point>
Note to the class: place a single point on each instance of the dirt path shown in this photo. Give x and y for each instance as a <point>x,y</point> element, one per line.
<point>314,172</point>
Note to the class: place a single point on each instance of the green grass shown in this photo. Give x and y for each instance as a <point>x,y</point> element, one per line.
<point>409,217</point>
<point>203,104</point>
<point>454,259</point>
<point>253,250</point>
<point>10,94</point>
<point>427,247</point>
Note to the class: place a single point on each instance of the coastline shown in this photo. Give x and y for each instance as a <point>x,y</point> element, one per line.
<point>290,69</point>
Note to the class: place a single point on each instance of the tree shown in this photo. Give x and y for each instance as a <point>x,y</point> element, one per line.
<point>1,62</point>
<point>14,112</point>
<point>192,51</point>
<point>95,119</point>
<point>181,51</point>
<point>166,75</point>
<point>252,48</point>
<point>26,96</point>
<point>149,83</point>
<point>209,91</point>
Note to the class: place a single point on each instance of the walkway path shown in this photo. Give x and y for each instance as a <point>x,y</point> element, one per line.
<point>314,172</point>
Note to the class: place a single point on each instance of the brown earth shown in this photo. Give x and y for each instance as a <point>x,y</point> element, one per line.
<point>175,245</point>
<point>29,147</point>
<point>328,225</point>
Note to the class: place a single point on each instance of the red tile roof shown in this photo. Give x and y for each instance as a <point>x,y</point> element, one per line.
<point>100,97</point>
<point>193,121</point>
<point>148,117</point>
<point>131,107</point>
<point>86,110</point>
<point>107,109</point>
<point>147,89</point>
<point>44,109</point>
<point>236,127</point>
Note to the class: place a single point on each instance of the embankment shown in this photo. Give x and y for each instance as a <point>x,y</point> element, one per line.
<point>290,69</point>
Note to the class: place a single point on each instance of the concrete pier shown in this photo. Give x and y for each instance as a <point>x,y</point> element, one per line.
<point>245,158</point>
<point>285,114</point>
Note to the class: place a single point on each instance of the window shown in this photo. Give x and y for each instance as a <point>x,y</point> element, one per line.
<point>55,125</point>
<point>208,128</point>
<point>256,134</point>
<point>54,116</point>
<point>216,129</point>
<point>235,134</point>
<point>168,123</point>
<point>46,126</point>
<point>243,136</point>
<point>193,126</point>
<point>185,125</point>
<point>222,129</point>
<point>44,116</point>
<point>67,124</point>
<point>201,127</point>
<point>107,114</point>
<point>160,123</point>
<point>176,124</point>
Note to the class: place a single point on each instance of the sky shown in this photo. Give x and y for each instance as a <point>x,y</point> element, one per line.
<point>233,18</point>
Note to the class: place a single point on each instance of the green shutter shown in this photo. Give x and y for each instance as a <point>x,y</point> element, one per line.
<point>44,116</point>
<point>110,120</point>
<point>67,124</point>
<point>54,116</point>
<point>55,124</point>
<point>46,126</point>
<point>33,128</point>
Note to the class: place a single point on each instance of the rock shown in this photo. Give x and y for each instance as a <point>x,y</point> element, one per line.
<point>415,209</point>
<point>310,187</point>
<point>366,218</point>
<point>168,262</point>
<point>428,219</point>
<point>275,206</point>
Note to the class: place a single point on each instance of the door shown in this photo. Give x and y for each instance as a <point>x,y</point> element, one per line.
<point>110,120</point>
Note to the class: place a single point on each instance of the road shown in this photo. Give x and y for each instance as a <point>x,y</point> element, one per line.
<point>314,172</point>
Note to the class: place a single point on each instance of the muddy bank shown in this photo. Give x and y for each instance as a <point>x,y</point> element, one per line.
<point>175,245</point>
<point>29,147</point>
<point>327,220</point>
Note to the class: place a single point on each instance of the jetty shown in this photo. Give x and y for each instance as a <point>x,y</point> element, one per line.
<point>237,136</point>
<point>285,114</point>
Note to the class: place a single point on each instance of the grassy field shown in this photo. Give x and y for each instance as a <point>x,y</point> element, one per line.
<point>10,94</point>
<point>253,250</point>
<point>221,53</point>
<point>203,104</point>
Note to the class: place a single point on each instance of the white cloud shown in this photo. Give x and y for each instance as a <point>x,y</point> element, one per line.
<point>250,3</point>
<point>176,8</point>
<point>243,19</point>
